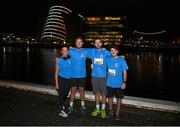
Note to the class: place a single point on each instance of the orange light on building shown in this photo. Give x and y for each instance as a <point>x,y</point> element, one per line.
<point>93,19</point>
<point>113,18</point>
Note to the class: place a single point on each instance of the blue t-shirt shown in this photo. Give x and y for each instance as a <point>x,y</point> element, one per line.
<point>78,62</point>
<point>98,62</point>
<point>116,66</point>
<point>64,68</point>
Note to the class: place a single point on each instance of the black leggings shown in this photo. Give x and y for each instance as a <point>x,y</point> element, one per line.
<point>64,87</point>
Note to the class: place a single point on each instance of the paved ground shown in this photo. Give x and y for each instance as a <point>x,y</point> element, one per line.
<point>28,108</point>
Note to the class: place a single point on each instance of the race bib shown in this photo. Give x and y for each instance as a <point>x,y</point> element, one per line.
<point>111,72</point>
<point>98,61</point>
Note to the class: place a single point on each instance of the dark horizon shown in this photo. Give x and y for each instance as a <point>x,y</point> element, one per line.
<point>28,17</point>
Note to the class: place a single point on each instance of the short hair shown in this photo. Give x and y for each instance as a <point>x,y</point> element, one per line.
<point>114,46</point>
<point>64,46</point>
<point>97,38</point>
<point>79,37</point>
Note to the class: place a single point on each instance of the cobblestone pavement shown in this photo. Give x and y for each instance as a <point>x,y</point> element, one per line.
<point>29,108</point>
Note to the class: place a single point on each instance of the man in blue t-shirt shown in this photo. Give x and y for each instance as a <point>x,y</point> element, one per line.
<point>98,55</point>
<point>78,73</point>
<point>116,79</point>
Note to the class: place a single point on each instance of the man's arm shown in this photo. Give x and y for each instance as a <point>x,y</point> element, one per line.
<point>124,79</point>
<point>56,74</point>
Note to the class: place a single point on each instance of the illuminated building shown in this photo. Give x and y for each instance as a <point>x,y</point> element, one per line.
<point>108,29</point>
<point>55,28</point>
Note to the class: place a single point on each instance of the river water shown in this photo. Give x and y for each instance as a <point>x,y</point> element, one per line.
<point>150,75</point>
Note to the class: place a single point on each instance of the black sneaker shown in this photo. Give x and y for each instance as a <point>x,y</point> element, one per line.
<point>83,109</point>
<point>111,114</point>
<point>70,109</point>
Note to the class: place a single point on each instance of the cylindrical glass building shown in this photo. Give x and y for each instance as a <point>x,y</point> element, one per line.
<point>55,28</point>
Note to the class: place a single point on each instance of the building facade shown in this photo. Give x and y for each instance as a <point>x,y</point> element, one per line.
<point>108,29</point>
<point>55,25</point>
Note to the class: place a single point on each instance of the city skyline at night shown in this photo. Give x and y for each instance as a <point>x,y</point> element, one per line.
<point>28,18</point>
<point>89,62</point>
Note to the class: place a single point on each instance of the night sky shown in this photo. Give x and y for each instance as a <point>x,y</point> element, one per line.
<point>27,17</point>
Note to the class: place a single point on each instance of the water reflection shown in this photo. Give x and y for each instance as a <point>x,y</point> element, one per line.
<point>4,63</point>
<point>151,74</point>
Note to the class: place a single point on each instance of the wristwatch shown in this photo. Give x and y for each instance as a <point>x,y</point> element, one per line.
<point>124,81</point>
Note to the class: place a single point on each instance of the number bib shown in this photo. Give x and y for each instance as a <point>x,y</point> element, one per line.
<point>98,61</point>
<point>111,72</point>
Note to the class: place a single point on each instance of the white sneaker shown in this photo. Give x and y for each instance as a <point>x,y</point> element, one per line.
<point>63,114</point>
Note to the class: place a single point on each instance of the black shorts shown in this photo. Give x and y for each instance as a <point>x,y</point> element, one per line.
<point>79,82</point>
<point>117,92</point>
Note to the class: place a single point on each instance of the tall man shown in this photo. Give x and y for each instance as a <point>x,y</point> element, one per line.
<point>78,73</point>
<point>98,56</point>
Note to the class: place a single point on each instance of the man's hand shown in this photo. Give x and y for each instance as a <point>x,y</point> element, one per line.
<point>123,86</point>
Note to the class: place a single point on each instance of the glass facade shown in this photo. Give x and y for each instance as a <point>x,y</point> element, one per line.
<point>55,28</point>
<point>108,29</point>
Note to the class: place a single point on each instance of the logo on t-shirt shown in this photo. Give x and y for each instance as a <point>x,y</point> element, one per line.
<point>101,56</point>
<point>116,65</point>
<point>82,55</point>
<point>69,61</point>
